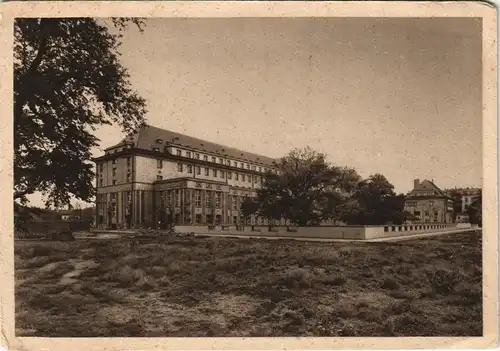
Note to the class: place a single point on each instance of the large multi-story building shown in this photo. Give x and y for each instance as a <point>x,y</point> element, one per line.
<point>157,174</point>
<point>429,204</point>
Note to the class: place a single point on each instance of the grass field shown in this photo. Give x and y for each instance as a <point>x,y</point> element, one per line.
<point>249,287</point>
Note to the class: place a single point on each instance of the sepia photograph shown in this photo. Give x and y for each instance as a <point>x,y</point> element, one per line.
<point>252,176</point>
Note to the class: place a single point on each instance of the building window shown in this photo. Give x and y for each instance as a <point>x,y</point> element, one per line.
<point>214,173</point>
<point>222,174</point>
<point>235,203</point>
<point>243,177</point>
<point>229,175</point>
<point>208,200</point>
<point>198,218</point>
<point>159,164</point>
<point>242,165</point>
<point>228,163</point>
<point>197,156</point>
<point>236,176</point>
<point>221,161</point>
<point>188,154</point>
<point>159,177</point>
<point>218,198</point>
<point>114,181</point>
<point>214,159</point>
<point>260,169</point>
<point>198,170</point>
<point>235,164</point>
<point>169,198</point>
<point>177,198</point>
<point>128,177</point>
<point>197,198</point>
<point>248,166</point>
<point>100,182</point>
<point>156,149</point>
<point>206,171</point>
<point>101,167</point>
<point>255,179</point>
<point>114,162</point>
<point>205,158</point>
<point>179,152</point>
<point>190,169</point>
<point>114,172</point>
<point>249,178</point>
<point>253,168</point>
<point>128,161</point>
<point>179,167</point>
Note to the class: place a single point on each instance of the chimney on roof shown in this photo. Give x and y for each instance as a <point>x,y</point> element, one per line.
<point>416,182</point>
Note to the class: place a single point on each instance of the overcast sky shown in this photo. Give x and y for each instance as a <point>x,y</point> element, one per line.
<point>401,97</point>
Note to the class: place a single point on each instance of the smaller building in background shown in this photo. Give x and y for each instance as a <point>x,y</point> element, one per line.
<point>463,198</point>
<point>468,196</point>
<point>70,215</point>
<point>427,203</point>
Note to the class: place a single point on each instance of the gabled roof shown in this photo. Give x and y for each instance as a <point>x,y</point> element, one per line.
<point>148,136</point>
<point>427,186</point>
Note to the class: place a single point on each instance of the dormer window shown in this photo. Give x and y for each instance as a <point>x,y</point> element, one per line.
<point>156,149</point>
<point>159,141</point>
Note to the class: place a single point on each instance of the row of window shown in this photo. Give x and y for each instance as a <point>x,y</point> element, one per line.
<point>114,162</point>
<point>211,199</point>
<point>222,161</point>
<point>426,213</point>
<point>217,220</point>
<point>217,173</point>
<point>113,172</point>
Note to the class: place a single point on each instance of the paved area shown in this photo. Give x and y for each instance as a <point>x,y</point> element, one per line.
<point>395,238</point>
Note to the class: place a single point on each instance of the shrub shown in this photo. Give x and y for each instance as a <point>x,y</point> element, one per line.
<point>390,284</point>
<point>444,281</point>
<point>298,277</point>
<point>34,262</point>
<point>334,281</point>
<point>34,251</point>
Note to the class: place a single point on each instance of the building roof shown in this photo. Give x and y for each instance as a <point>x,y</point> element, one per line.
<point>148,136</point>
<point>425,187</point>
<point>464,191</point>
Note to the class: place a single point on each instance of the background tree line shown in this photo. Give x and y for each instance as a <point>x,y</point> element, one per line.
<point>308,190</point>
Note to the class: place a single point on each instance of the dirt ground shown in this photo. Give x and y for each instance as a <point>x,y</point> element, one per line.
<point>249,287</point>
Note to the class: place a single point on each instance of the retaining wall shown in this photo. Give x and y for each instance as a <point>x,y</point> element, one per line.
<point>325,232</point>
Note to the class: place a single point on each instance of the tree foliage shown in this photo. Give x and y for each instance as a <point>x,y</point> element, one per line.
<point>306,189</point>
<point>249,206</point>
<point>475,211</point>
<point>68,81</point>
<point>374,202</point>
